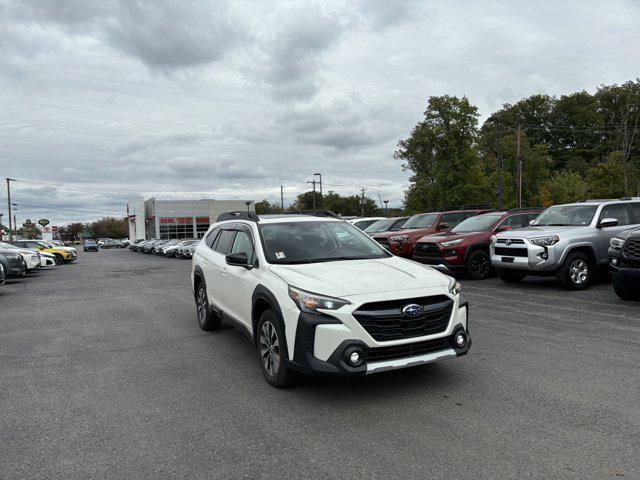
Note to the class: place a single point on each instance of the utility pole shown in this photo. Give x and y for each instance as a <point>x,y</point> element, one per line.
<point>362,205</point>
<point>314,192</point>
<point>499,159</point>
<point>518,172</point>
<point>386,208</point>
<point>281,199</point>
<point>9,205</point>
<point>321,197</point>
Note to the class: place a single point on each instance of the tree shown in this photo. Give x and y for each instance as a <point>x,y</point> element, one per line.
<point>606,179</point>
<point>71,232</point>
<point>566,187</point>
<point>441,152</point>
<point>109,227</point>
<point>265,207</point>
<point>342,205</point>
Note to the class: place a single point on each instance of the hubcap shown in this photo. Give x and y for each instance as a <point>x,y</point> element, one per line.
<point>201,304</point>
<point>270,348</point>
<point>479,266</point>
<point>579,271</point>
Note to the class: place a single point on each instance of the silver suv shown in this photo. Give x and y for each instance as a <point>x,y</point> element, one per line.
<point>569,241</point>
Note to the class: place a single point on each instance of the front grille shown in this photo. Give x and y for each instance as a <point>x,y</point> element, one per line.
<point>512,252</point>
<point>410,350</point>
<point>427,249</point>
<point>384,321</point>
<point>632,249</point>
<point>518,241</point>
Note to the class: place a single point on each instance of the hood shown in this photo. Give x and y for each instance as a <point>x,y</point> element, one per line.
<point>533,231</point>
<point>356,277</point>
<point>443,237</point>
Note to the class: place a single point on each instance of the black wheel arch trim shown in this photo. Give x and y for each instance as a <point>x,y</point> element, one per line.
<point>475,247</point>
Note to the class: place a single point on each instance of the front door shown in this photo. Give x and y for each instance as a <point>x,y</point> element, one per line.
<point>239,282</point>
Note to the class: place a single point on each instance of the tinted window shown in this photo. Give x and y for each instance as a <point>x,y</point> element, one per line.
<point>515,221</point>
<point>618,211</point>
<point>452,219</point>
<point>380,226</point>
<point>243,243</point>
<point>223,245</point>
<point>211,238</point>
<point>635,212</point>
<point>421,221</point>
<point>567,215</point>
<point>480,223</point>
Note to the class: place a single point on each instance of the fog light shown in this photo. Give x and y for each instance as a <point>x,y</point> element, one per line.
<point>354,357</point>
<point>614,261</point>
<point>461,340</point>
<point>544,256</point>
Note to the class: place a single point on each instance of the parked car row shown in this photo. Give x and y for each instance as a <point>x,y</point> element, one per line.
<point>183,248</point>
<point>20,257</point>
<point>112,243</point>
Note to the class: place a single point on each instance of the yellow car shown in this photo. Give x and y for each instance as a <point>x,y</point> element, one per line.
<point>62,254</point>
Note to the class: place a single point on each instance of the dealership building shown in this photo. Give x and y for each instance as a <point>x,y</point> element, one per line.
<point>166,219</point>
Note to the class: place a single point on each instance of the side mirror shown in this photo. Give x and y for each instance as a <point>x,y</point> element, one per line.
<point>531,222</point>
<point>503,228</point>
<point>608,222</point>
<point>443,226</point>
<point>239,259</point>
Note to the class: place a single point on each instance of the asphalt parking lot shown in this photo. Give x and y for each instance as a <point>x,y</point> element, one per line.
<point>104,373</point>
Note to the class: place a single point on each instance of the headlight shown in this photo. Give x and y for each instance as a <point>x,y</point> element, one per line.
<point>545,241</point>
<point>616,243</point>
<point>400,238</point>
<point>451,243</point>
<point>454,286</point>
<point>311,302</point>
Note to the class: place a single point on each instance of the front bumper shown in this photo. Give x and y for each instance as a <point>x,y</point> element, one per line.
<point>525,256</point>
<point>323,343</point>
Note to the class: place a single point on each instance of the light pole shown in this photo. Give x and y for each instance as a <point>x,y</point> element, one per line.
<point>319,175</point>
<point>386,207</point>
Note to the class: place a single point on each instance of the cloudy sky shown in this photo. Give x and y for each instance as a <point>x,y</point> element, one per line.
<point>231,99</point>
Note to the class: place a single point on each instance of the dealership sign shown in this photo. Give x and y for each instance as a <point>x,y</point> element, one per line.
<point>44,222</point>
<point>177,220</point>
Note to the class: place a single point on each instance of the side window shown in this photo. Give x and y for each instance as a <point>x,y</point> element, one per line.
<point>452,219</point>
<point>243,243</point>
<point>618,211</point>
<point>211,238</point>
<point>635,212</point>
<point>223,245</point>
<point>514,221</point>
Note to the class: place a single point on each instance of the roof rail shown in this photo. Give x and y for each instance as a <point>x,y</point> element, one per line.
<point>315,213</point>
<point>524,209</point>
<point>239,215</point>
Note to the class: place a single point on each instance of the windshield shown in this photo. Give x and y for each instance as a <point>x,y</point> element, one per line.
<point>44,244</point>
<point>380,226</point>
<point>421,221</point>
<point>480,223</point>
<point>6,245</point>
<point>322,241</point>
<point>567,215</point>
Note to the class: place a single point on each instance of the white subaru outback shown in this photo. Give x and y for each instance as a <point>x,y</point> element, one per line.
<point>318,296</point>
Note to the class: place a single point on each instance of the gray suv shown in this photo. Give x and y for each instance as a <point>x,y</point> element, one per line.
<point>568,241</point>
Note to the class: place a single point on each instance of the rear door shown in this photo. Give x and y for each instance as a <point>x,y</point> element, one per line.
<point>206,258</point>
<point>238,283</point>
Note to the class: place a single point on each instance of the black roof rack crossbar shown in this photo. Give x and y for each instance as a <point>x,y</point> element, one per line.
<point>314,213</point>
<point>239,215</point>
<point>524,209</point>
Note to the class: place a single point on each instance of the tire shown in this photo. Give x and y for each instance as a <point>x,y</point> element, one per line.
<point>511,276</point>
<point>478,265</point>
<point>207,319</point>
<point>576,272</point>
<point>625,289</point>
<point>272,351</point>
<point>59,259</point>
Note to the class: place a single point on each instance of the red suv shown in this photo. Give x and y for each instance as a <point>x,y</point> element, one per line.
<point>466,247</point>
<point>401,243</point>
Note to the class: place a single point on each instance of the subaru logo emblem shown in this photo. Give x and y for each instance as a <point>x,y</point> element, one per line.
<point>508,242</point>
<point>413,310</point>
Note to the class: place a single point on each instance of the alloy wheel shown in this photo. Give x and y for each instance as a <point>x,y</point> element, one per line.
<point>201,305</point>
<point>270,348</point>
<point>579,271</point>
<point>479,266</point>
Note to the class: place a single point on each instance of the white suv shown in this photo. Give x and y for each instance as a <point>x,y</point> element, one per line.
<point>318,296</point>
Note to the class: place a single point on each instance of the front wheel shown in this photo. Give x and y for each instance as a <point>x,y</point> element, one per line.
<point>272,351</point>
<point>510,276</point>
<point>576,271</point>
<point>207,320</point>
<point>624,288</point>
<point>478,265</point>
<point>59,259</point>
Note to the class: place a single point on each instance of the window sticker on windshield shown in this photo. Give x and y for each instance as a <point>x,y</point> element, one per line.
<point>280,255</point>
